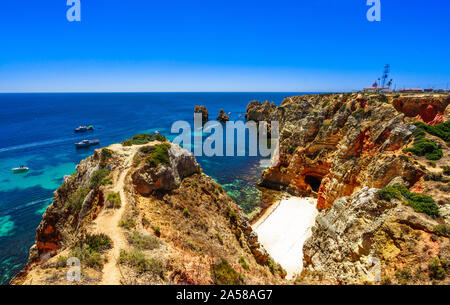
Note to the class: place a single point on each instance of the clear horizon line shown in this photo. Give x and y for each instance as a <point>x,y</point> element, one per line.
<point>57,92</point>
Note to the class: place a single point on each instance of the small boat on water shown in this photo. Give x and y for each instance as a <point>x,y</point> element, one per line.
<point>84,128</point>
<point>87,143</point>
<point>21,169</point>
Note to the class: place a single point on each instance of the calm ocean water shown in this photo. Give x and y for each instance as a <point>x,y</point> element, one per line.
<point>38,132</point>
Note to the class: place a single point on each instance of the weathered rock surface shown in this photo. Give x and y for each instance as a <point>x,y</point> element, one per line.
<point>175,224</point>
<point>257,111</point>
<point>362,239</point>
<point>203,111</point>
<point>164,177</point>
<point>223,117</point>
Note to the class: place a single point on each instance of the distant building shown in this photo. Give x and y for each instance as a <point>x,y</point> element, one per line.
<point>411,90</point>
<point>377,89</point>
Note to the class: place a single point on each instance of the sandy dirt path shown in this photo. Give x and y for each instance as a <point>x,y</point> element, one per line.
<point>108,223</point>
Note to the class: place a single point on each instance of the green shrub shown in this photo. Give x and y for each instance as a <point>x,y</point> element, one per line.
<point>106,181</point>
<point>419,202</point>
<point>442,230</point>
<point>232,214</point>
<point>276,268</point>
<point>219,238</point>
<point>143,242</point>
<point>441,130</point>
<point>98,242</point>
<point>186,212</point>
<point>77,198</point>
<point>438,269</point>
<point>388,193</point>
<point>403,275</point>
<point>160,155</point>
<point>446,170</point>
<point>243,263</point>
<point>61,262</point>
<point>157,230</point>
<point>98,176</point>
<point>145,221</point>
<point>114,200</point>
<point>105,154</point>
<point>224,274</point>
<point>423,146</point>
<point>140,263</point>
<point>127,223</point>
<point>144,138</point>
<point>358,114</point>
<point>89,250</point>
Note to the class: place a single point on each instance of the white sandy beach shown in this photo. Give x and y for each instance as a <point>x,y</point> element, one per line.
<point>284,228</point>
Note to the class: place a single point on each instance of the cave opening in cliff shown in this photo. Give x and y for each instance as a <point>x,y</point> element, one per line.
<point>314,182</point>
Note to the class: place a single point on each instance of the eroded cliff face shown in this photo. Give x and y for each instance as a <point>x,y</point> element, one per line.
<point>333,145</point>
<point>344,148</point>
<point>146,214</point>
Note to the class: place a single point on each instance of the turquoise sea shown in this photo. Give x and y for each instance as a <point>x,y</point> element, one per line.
<point>37,131</point>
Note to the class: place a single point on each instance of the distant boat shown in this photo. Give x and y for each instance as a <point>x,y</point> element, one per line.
<point>21,169</point>
<point>84,128</point>
<point>87,143</point>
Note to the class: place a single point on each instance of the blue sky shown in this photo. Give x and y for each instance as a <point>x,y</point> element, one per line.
<point>215,45</point>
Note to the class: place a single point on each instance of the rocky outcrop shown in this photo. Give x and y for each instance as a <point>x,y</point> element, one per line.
<point>165,177</point>
<point>333,145</point>
<point>343,148</point>
<point>223,117</point>
<point>429,109</point>
<point>257,111</point>
<point>203,111</point>
<point>362,239</point>
<point>169,224</point>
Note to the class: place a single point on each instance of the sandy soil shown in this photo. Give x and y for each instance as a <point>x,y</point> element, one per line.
<point>108,223</point>
<point>284,228</point>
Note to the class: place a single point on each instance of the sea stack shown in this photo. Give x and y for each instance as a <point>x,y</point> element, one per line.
<point>223,117</point>
<point>202,109</point>
<point>257,111</point>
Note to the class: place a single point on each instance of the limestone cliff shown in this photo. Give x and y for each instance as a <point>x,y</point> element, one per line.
<point>342,149</point>
<point>146,214</point>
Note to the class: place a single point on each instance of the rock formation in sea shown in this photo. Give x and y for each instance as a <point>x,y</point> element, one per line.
<point>202,109</point>
<point>378,165</point>
<point>222,117</point>
<point>257,111</point>
<point>146,214</point>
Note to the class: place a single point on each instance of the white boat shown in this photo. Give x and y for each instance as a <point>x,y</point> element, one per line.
<point>87,143</point>
<point>21,169</point>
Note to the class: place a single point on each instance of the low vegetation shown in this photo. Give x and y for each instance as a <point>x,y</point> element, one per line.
<point>105,154</point>
<point>98,176</point>
<point>159,155</point>
<point>441,130</point>
<point>403,275</point>
<point>419,202</point>
<point>243,263</point>
<point>438,268</point>
<point>144,138</point>
<point>113,200</point>
<point>143,242</point>
<point>224,274</point>
<point>77,198</point>
<point>446,169</point>
<point>442,230</point>
<point>89,250</point>
<point>140,263</point>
